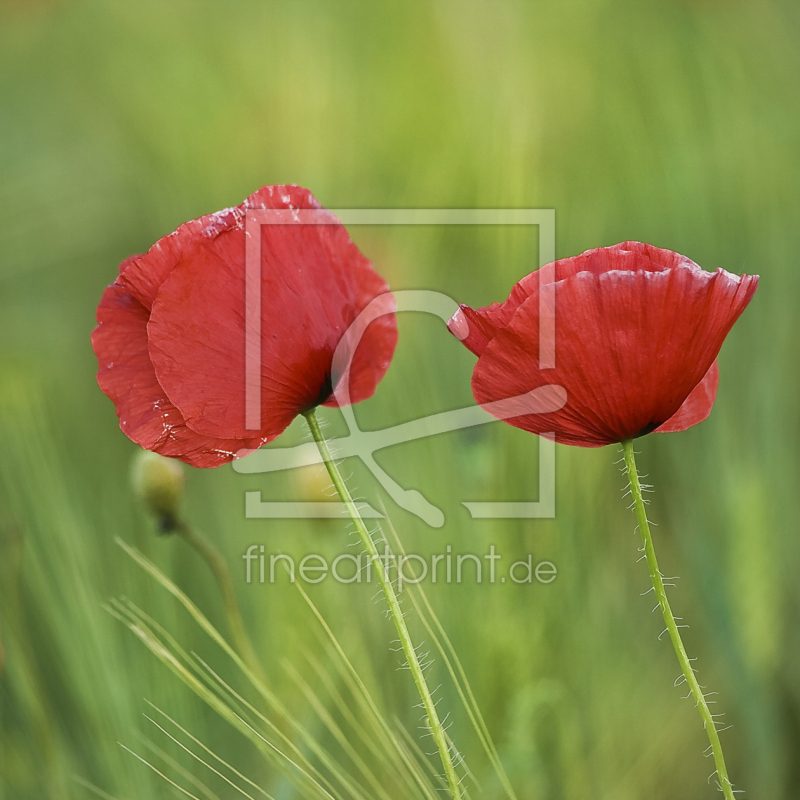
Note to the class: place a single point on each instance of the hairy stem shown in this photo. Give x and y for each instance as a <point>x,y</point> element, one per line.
<point>672,628</point>
<point>437,730</point>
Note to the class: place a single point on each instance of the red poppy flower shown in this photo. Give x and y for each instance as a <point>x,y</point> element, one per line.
<point>171,335</point>
<point>638,330</point>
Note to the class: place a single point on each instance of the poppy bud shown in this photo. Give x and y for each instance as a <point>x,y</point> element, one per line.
<point>312,482</point>
<point>158,482</point>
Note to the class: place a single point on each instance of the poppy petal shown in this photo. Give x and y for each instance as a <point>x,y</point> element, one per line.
<point>374,350</point>
<point>634,256</point>
<point>127,376</point>
<point>144,275</point>
<point>630,347</point>
<point>697,406</point>
<point>314,284</point>
<point>475,328</point>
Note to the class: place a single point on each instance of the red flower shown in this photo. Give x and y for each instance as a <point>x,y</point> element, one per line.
<point>638,330</point>
<point>171,335</point>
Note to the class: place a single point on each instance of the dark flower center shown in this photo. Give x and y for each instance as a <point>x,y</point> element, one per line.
<point>325,391</point>
<point>649,428</point>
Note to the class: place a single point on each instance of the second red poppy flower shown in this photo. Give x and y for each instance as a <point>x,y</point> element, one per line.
<point>638,330</point>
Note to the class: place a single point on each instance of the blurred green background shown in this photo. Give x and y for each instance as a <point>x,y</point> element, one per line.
<point>675,123</point>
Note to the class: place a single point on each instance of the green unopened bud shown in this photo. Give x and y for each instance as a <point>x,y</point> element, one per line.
<point>158,482</point>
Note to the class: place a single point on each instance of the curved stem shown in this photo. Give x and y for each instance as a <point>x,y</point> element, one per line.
<point>672,628</point>
<point>437,730</point>
<point>208,551</point>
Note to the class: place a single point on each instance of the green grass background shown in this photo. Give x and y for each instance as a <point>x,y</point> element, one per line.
<point>676,123</point>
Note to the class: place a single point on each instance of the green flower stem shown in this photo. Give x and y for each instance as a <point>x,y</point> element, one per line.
<point>209,553</point>
<point>434,722</point>
<point>669,619</point>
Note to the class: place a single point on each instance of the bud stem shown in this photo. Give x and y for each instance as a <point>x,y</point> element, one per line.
<point>211,555</point>
<point>669,620</point>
